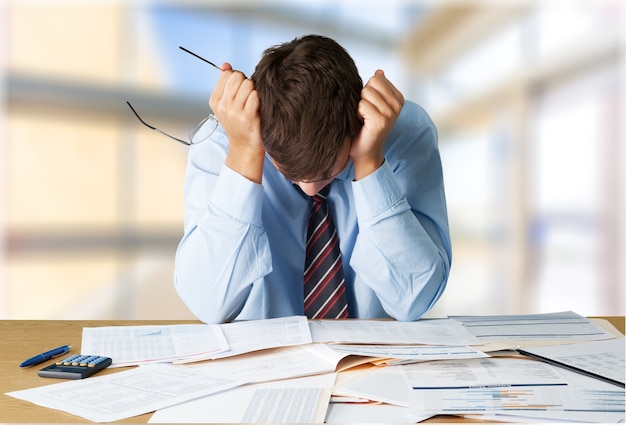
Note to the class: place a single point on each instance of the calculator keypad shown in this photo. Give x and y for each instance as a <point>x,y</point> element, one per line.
<point>77,366</point>
<point>82,360</point>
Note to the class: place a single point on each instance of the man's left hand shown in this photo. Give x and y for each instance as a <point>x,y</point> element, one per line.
<point>380,105</point>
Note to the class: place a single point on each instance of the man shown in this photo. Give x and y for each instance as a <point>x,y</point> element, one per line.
<point>302,124</point>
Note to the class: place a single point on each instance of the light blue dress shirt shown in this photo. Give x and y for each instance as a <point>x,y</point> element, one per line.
<point>242,253</point>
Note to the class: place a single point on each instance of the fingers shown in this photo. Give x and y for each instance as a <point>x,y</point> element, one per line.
<point>218,90</point>
<point>233,94</point>
<point>251,106</point>
<point>380,105</point>
<point>381,94</point>
<point>380,78</point>
<point>243,92</point>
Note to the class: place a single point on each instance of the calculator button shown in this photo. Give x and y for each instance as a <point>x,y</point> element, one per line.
<point>75,367</point>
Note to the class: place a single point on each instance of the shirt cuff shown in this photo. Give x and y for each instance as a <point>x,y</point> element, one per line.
<point>238,197</point>
<point>376,193</point>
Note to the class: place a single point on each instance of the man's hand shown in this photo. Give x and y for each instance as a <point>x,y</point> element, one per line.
<point>235,103</point>
<point>380,105</point>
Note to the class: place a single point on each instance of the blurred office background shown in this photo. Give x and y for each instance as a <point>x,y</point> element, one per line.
<point>528,98</point>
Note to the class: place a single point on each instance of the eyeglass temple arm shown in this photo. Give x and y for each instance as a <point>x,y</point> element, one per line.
<point>200,57</point>
<point>154,128</point>
<point>138,117</point>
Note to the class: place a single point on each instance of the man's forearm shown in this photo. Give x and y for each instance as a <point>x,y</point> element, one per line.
<point>400,254</point>
<point>225,247</point>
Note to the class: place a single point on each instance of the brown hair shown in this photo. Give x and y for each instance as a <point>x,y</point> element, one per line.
<point>309,90</point>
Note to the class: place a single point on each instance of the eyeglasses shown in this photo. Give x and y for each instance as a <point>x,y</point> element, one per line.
<point>200,132</point>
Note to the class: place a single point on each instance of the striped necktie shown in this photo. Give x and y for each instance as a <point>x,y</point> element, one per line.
<point>324,283</point>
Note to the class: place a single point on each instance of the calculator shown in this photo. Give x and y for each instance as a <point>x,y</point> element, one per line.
<point>77,366</point>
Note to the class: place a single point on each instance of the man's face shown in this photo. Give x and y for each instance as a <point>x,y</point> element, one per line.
<point>313,187</point>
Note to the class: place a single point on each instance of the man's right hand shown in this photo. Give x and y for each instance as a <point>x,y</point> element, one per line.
<point>235,103</point>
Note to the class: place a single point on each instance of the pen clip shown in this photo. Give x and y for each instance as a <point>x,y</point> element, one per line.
<point>60,353</point>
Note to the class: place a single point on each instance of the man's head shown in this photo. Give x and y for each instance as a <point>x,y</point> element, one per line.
<point>309,90</point>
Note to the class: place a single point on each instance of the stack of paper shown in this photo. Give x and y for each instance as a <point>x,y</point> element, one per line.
<point>402,386</point>
<point>587,384</point>
<point>255,365</point>
<point>534,329</point>
<point>602,360</point>
<point>136,345</point>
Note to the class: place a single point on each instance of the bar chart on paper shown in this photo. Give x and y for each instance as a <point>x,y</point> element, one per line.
<point>504,399</point>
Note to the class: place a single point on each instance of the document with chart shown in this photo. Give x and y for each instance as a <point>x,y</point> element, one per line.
<point>471,401</point>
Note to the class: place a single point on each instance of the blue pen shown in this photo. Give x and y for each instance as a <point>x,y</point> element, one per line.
<point>40,358</point>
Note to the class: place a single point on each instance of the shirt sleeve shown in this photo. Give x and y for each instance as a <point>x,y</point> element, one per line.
<point>224,248</point>
<point>403,250</point>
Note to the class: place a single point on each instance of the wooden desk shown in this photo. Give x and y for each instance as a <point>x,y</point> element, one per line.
<point>20,339</point>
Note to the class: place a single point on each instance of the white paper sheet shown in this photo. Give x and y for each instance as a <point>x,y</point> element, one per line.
<point>273,364</point>
<point>603,358</point>
<point>426,331</point>
<point>488,372</point>
<point>151,387</point>
<point>252,335</point>
<point>510,400</point>
<point>369,413</point>
<point>574,380</point>
<point>128,393</point>
<point>384,384</point>
<point>306,398</point>
<point>564,326</point>
<point>553,416</point>
<point>410,353</point>
<point>133,345</point>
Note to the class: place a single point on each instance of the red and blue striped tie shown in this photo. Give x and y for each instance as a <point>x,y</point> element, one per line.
<point>324,283</point>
